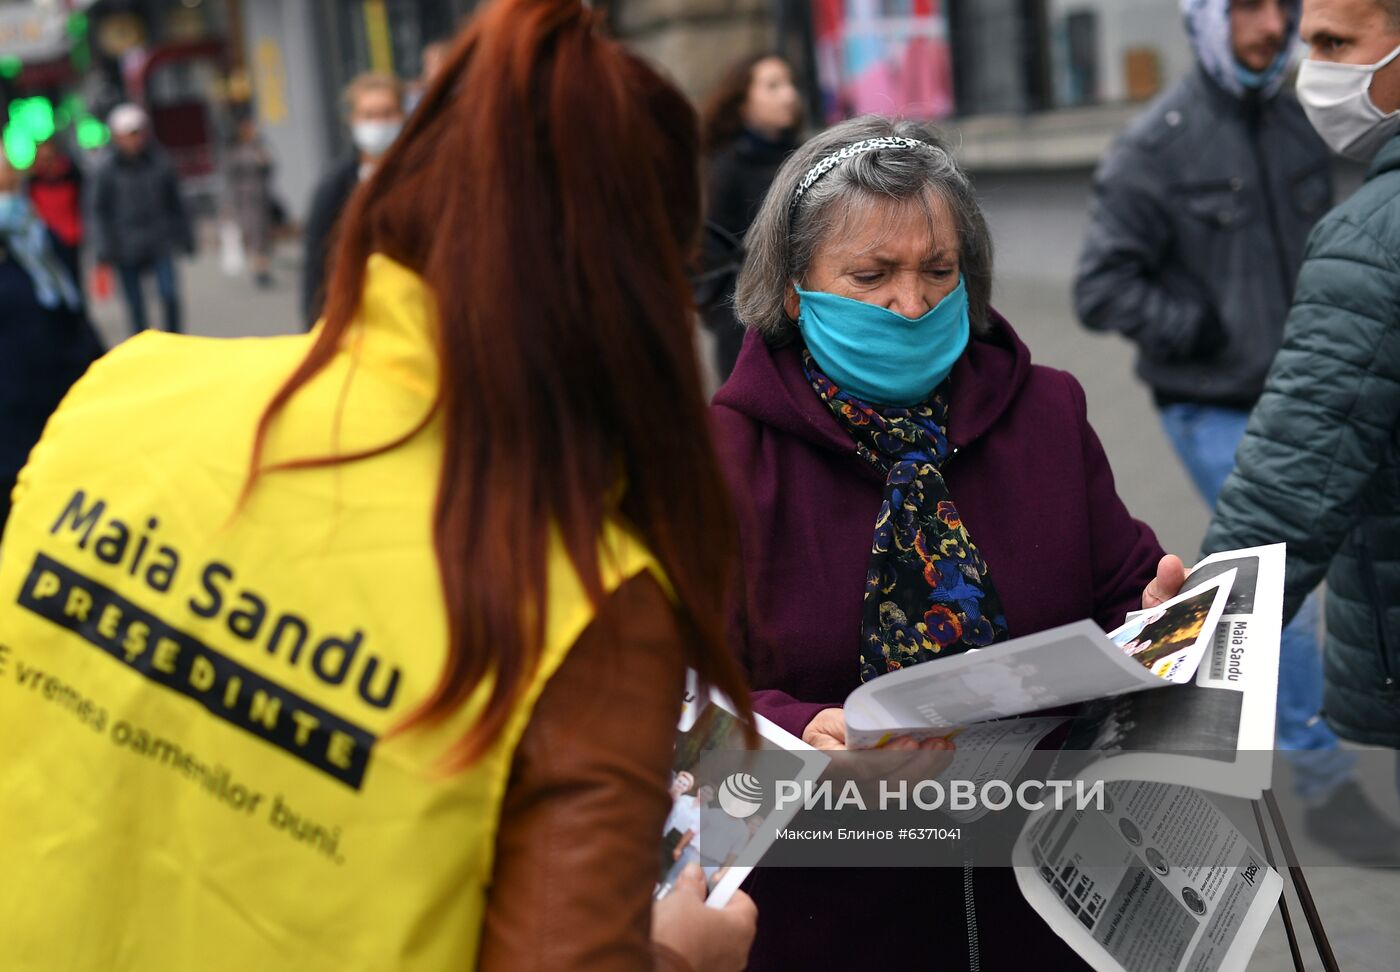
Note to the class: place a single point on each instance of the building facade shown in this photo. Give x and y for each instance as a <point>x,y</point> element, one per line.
<point>1027,82</point>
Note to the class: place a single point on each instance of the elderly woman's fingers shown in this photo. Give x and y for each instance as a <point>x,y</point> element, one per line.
<point>1171,575</point>
<point>827,730</point>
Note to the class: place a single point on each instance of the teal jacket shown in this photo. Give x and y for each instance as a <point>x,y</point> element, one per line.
<point>1319,467</point>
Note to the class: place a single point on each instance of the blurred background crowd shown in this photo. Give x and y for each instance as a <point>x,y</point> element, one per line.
<point>248,98</point>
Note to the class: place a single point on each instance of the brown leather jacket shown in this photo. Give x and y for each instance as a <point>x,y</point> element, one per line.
<point>576,855</point>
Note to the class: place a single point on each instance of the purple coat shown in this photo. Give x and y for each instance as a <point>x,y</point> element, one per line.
<point>1034,489</point>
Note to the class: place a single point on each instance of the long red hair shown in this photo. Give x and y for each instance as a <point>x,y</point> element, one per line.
<point>547,190</point>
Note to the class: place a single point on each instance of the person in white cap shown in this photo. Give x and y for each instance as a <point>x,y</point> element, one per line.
<point>139,219</point>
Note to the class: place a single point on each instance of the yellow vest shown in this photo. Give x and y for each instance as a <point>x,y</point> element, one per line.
<point>194,706</point>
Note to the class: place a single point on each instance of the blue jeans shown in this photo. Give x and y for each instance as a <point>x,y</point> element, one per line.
<point>133,274</point>
<point>1206,437</point>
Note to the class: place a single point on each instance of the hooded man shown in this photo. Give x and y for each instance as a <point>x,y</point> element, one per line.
<point>1200,215</point>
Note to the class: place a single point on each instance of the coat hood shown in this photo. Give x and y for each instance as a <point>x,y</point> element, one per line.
<point>769,386</point>
<point>1387,160</point>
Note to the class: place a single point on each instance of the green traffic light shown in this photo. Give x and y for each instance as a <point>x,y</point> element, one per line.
<point>31,122</point>
<point>19,148</point>
<point>34,116</point>
<point>91,133</point>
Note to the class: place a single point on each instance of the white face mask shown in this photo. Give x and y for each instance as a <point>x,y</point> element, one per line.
<point>374,137</point>
<point>1337,98</point>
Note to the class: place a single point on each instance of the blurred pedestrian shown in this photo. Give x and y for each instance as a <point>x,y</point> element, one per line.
<point>1200,215</point>
<point>56,192</point>
<point>750,122</point>
<point>374,103</point>
<point>434,55</point>
<point>249,173</point>
<point>139,219</point>
<point>884,436</point>
<point>1320,464</point>
<point>404,605</point>
<point>45,339</point>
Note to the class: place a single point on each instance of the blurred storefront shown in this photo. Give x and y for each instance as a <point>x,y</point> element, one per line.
<point>1085,68</point>
<point>1027,83</point>
<point>173,57</point>
<point>872,56</point>
<point>386,35</point>
<point>300,56</point>
<point>64,64</point>
<point>199,65</point>
<point>44,60</point>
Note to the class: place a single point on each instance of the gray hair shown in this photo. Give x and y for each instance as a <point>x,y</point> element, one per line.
<point>784,237</point>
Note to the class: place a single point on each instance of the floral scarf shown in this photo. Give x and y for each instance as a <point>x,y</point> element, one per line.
<point>927,592</point>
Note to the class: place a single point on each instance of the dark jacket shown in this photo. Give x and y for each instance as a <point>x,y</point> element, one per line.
<point>1319,467</point>
<point>332,193</point>
<point>42,352</point>
<point>738,179</point>
<point>1034,488</point>
<point>138,215</point>
<point>1197,226</point>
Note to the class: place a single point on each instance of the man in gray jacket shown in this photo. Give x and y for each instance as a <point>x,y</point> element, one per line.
<point>139,219</point>
<point>1320,464</point>
<point>1200,215</point>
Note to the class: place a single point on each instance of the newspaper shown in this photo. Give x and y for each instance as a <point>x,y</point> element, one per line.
<point>1112,884</point>
<point>1217,731</point>
<point>721,817</point>
<point>1177,701</point>
<point>1066,665</point>
<point>1160,880</point>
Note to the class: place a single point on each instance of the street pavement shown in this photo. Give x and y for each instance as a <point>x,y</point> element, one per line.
<point>1037,223</point>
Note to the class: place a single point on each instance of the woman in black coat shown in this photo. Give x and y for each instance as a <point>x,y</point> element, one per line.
<point>750,126</point>
<point>46,342</point>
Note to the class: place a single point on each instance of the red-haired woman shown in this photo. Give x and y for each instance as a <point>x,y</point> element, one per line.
<point>750,122</point>
<point>401,691</point>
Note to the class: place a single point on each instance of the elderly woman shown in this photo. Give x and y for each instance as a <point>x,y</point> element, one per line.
<point>909,486</point>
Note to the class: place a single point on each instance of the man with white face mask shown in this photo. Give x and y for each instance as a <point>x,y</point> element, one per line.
<point>1350,84</point>
<point>1320,464</point>
<point>375,103</point>
<point>1198,225</point>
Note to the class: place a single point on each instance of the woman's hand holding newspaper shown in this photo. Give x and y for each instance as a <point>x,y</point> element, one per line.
<point>827,730</point>
<point>709,939</point>
<point>1171,575</point>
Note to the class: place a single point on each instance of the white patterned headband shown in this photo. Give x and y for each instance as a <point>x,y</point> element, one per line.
<point>835,159</point>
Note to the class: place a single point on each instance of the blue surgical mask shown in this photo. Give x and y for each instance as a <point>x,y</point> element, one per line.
<point>14,210</point>
<point>879,356</point>
<point>1259,80</point>
<point>1254,80</point>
